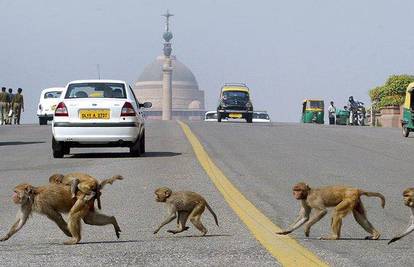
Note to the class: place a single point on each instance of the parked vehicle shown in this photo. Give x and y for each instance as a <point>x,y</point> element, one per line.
<point>235,102</point>
<point>407,121</point>
<point>357,112</point>
<point>98,113</point>
<point>49,98</point>
<point>260,116</point>
<point>312,111</point>
<point>210,116</point>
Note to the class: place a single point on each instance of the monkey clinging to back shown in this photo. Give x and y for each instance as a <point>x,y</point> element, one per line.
<point>187,205</point>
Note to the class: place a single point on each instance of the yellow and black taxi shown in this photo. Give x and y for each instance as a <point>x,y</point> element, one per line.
<point>235,102</point>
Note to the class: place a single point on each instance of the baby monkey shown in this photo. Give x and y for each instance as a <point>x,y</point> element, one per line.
<point>87,186</point>
<point>408,196</point>
<point>343,199</point>
<point>187,205</point>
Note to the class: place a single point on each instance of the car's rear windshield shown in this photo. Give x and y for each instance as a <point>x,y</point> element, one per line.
<point>235,94</point>
<point>315,104</point>
<point>52,94</point>
<point>96,90</point>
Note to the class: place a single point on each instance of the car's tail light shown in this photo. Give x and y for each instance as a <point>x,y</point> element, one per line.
<point>61,110</point>
<point>127,110</point>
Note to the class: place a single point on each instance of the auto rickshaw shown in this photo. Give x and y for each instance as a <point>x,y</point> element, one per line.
<point>312,111</point>
<point>407,122</point>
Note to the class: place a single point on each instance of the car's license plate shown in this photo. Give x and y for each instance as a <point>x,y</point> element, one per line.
<point>93,114</point>
<point>235,115</point>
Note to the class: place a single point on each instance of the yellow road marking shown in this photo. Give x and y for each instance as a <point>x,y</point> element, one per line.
<point>285,249</point>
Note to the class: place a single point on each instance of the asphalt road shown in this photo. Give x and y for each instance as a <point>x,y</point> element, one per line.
<point>262,160</point>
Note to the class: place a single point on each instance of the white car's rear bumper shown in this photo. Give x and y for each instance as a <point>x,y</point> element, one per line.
<point>95,133</point>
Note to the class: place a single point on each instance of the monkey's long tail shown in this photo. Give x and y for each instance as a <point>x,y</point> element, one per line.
<point>110,180</point>
<point>375,194</point>
<point>212,212</point>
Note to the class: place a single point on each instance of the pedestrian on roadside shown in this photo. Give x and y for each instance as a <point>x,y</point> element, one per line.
<point>18,106</point>
<point>3,105</point>
<point>10,106</point>
<point>332,113</point>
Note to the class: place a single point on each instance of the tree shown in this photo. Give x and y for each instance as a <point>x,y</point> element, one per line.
<point>392,93</point>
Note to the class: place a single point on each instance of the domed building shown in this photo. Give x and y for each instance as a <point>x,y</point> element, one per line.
<point>187,98</point>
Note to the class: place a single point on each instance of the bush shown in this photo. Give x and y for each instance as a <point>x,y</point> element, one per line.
<point>392,93</point>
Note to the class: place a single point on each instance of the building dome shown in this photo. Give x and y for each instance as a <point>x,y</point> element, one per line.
<point>187,98</point>
<point>181,74</point>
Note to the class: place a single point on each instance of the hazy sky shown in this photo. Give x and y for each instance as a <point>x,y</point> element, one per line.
<point>284,50</point>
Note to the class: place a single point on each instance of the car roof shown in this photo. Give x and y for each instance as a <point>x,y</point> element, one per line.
<point>234,88</point>
<point>96,81</point>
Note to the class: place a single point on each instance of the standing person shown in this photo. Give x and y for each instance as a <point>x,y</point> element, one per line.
<point>3,105</point>
<point>18,106</point>
<point>332,113</point>
<point>10,106</point>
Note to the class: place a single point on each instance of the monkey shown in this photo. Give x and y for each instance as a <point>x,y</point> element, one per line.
<point>344,199</point>
<point>408,196</point>
<point>82,182</point>
<point>185,204</point>
<point>52,200</point>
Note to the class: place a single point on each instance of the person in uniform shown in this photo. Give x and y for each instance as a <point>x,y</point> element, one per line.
<point>10,107</point>
<point>3,105</point>
<point>18,106</point>
<point>332,113</point>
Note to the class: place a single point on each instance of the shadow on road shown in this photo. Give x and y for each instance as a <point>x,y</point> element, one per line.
<point>112,242</point>
<point>342,239</point>
<point>189,236</point>
<point>16,143</point>
<point>160,154</point>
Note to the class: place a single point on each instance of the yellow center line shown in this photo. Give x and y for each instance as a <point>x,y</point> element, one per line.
<point>285,249</point>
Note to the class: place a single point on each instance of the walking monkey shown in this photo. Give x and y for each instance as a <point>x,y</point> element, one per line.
<point>187,205</point>
<point>408,196</point>
<point>344,199</point>
<point>52,200</point>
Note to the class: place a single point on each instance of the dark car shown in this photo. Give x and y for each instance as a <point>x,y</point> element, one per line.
<point>235,103</point>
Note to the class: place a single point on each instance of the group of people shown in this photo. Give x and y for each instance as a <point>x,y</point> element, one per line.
<point>11,106</point>
<point>354,107</point>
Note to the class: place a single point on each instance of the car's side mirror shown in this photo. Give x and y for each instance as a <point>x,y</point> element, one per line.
<point>145,105</point>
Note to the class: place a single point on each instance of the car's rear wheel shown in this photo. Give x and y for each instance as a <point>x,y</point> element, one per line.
<point>142,143</point>
<point>135,149</point>
<point>57,148</point>
<point>66,149</point>
<point>42,121</point>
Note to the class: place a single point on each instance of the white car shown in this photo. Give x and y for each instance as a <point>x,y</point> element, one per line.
<point>49,98</point>
<point>98,113</point>
<point>210,116</point>
<point>260,116</point>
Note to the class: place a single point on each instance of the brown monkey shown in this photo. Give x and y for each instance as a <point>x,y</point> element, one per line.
<point>408,196</point>
<point>344,199</point>
<point>89,186</point>
<point>187,205</point>
<point>52,200</point>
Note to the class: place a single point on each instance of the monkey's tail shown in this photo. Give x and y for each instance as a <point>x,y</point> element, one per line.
<point>110,180</point>
<point>212,212</point>
<point>375,194</point>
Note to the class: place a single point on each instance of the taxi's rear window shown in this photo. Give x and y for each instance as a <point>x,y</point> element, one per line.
<point>96,90</point>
